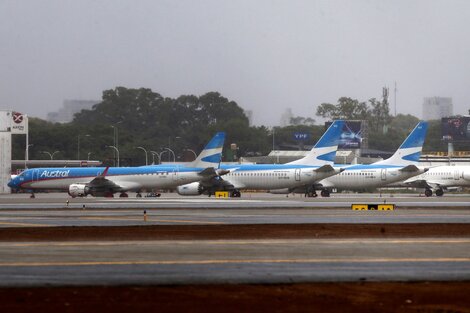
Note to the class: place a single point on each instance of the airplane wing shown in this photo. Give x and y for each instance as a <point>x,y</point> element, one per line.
<point>100,179</point>
<point>324,169</point>
<point>211,172</point>
<point>100,183</point>
<point>409,168</point>
<point>422,183</point>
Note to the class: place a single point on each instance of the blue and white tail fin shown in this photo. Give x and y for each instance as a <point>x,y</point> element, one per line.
<point>324,151</point>
<point>212,153</point>
<point>410,150</point>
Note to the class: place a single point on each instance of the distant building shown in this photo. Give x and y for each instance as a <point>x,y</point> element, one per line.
<point>249,115</point>
<point>435,108</point>
<point>70,107</point>
<point>286,118</point>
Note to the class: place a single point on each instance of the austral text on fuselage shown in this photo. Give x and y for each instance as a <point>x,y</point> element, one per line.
<point>57,173</point>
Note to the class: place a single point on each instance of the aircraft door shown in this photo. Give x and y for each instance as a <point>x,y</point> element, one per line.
<point>35,175</point>
<point>297,174</point>
<point>456,175</point>
<point>383,174</point>
<point>175,174</point>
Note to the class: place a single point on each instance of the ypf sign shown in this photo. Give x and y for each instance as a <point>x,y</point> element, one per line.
<point>19,123</point>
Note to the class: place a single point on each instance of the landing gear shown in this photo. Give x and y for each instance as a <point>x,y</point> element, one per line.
<point>428,192</point>
<point>138,195</point>
<point>123,195</point>
<point>32,196</point>
<point>325,193</point>
<point>236,194</point>
<point>439,192</point>
<point>109,194</point>
<point>312,194</point>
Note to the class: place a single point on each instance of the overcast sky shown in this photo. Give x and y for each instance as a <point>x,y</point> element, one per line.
<point>265,55</point>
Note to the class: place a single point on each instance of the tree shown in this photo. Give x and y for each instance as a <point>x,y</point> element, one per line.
<point>346,109</point>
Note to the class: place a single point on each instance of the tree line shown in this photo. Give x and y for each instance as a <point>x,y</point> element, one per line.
<point>144,118</point>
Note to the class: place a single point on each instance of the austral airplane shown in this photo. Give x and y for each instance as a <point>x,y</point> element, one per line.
<point>439,178</point>
<point>315,166</point>
<point>101,181</point>
<point>402,165</point>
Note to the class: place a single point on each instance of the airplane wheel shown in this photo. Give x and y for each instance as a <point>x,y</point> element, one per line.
<point>428,192</point>
<point>32,196</point>
<point>123,195</point>
<point>325,193</point>
<point>439,192</point>
<point>236,194</point>
<point>312,194</point>
<point>138,195</point>
<point>109,195</point>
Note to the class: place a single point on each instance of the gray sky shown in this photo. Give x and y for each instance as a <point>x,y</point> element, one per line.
<point>265,55</point>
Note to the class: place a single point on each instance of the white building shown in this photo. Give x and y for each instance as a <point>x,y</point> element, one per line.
<point>435,108</point>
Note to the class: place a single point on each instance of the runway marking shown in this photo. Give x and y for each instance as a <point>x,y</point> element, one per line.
<point>148,220</point>
<point>24,224</point>
<point>237,242</point>
<point>221,261</point>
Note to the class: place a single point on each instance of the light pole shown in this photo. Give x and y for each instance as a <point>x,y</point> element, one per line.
<point>169,147</point>
<point>160,155</point>
<point>51,155</point>
<point>153,157</point>
<point>117,153</point>
<point>195,155</point>
<point>116,139</point>
<point>146,157</point>
<point>172,152</point>
<point>26,156</point>
<point>78,145</point>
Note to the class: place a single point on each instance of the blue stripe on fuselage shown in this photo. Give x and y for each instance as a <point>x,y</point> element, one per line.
<point>264,167</point>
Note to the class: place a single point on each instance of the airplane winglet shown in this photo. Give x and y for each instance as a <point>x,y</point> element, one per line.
<point>105,172</point>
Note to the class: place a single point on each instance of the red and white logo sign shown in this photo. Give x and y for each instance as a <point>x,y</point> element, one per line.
<point>17,117</point>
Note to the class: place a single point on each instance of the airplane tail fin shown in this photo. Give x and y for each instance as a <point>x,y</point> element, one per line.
<point>324,151</point>
<point>410,150</point>
<point>212,153</point>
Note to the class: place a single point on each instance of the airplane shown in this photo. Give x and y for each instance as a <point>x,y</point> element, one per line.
<point>315,166</point>
<point>400,166</point>
<point>439,178</point>
<point>100,181</point>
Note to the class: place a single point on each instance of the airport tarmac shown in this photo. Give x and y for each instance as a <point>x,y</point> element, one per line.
<point>52,210</point>
<point>54,261</point>
<point>233,261</point>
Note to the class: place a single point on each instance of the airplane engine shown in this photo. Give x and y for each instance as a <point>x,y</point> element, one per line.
<point>193,189</point>
<point>466,175</point>
<point>78,190</point>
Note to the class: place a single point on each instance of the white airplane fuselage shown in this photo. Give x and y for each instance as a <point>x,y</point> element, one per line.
<point>445,176</point>
<point>131,178</point>
<point>359,177</point>
<point>265,177</point>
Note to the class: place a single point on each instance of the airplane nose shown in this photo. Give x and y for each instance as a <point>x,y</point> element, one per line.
<point>10,184</point>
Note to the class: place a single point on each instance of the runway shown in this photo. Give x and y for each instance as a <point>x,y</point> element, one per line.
<point>248,200</point>
<point>233,261</point>
<point>256,239</point>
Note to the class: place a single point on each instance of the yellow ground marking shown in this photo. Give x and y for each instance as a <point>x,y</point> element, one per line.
<point>24,224</point>
<point>148,220</point>
<point>221,261</point>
